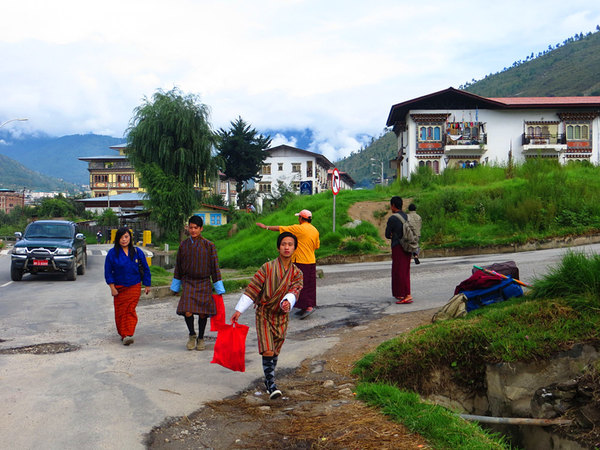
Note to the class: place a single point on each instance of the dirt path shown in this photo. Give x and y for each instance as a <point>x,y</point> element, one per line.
<point>375,212</point>
<point>318,409</point>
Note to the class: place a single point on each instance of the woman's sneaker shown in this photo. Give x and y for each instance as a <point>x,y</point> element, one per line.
<point>128,340</point>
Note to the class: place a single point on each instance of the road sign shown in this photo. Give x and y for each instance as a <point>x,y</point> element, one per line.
<point>335,181</point>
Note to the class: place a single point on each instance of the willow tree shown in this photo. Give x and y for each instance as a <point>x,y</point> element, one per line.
<point>169,143</point>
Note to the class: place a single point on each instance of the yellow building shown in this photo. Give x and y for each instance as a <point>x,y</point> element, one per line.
<point>113,174</point>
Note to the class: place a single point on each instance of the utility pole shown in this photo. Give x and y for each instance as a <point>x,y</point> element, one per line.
<point>381,164</point>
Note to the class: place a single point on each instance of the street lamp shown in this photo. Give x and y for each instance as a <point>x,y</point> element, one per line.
<point>12,120</point>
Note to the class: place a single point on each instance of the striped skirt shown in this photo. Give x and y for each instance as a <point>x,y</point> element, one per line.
<point>271,328</point>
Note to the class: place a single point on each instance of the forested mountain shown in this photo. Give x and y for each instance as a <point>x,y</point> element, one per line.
<point>14,175</point>
<point>58,157</point>
<point>364,166</point>
<point>571,68</point>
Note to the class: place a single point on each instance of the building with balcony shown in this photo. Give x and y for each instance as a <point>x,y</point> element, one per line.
<point>113,175</point>
<point>454,128</point>
<point>303,171</point>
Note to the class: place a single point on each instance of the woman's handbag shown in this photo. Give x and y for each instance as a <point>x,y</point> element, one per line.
<point>140,264</point>
<point>230,348</point>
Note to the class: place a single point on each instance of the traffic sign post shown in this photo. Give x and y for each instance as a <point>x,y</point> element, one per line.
<point>335,188</point>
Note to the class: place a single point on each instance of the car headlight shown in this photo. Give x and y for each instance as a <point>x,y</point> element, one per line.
<point>64,251</point>
<point>20,250</point>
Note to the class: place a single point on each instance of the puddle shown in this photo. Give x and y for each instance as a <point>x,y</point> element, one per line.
<point>41,349</point>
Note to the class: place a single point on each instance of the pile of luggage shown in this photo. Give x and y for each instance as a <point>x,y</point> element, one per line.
<point>491,284</point>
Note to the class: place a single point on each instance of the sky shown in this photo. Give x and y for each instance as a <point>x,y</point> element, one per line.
<point>333,67</point>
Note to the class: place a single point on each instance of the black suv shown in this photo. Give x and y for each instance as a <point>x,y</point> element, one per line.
<point>49,246</point>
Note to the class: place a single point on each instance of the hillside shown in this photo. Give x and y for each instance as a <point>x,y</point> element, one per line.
<point>364,166</point>
<point>569,69</point>
<point>58,157</point>
<point>14,175</point>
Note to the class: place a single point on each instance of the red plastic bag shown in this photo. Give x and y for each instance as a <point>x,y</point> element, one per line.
<point>218,320</point>
<point>230,348</point>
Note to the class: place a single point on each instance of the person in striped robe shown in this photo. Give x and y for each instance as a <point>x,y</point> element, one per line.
<point>273,291</point>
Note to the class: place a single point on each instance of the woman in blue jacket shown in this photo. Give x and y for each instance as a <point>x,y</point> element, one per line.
<point>125,269</point>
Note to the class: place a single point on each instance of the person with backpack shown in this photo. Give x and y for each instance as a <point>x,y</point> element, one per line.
<point>415,220</point>
<point>404,244</point>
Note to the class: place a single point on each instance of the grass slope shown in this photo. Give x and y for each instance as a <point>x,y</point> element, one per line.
<point>562,309</point>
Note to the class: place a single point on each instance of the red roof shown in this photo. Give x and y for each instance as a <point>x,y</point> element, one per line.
<point>452,98</point>
<point>528,101</point>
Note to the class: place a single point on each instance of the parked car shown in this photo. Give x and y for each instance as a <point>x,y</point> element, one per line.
<point>49,246</point>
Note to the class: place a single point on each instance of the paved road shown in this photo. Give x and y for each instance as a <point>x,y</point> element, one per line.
<point>105,395</point>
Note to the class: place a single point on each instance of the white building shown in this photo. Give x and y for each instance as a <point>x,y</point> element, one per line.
<point>303,171</point>
<point>453,128</point>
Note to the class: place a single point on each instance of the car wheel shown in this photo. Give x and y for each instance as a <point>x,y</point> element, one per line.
<point>72,273</point>
<point>16,274</point>
<point>81,268</point>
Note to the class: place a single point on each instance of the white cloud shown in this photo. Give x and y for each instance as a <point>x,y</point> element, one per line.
<point>335,67</point>
<point>280,139</point>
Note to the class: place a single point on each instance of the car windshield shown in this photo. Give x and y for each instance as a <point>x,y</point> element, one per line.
<point>49,230</point>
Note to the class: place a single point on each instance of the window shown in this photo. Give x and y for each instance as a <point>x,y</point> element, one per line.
<point>430,133</point>
<point>296,186</point>
<point>201,215</point>
<point>296,167</point>
<point>100,178</point>
<point>577,132</point>
<point>124,178</point>
<point>215,219</point>
<point>280,167</point>
<point>264,188</point>
<point>265,169</point>
<point>309,169</point>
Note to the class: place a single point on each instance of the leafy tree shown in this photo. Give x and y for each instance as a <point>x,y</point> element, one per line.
<point>169,143</point>
<point>58,206</point>
<point>108,218</point>
<point>242,150</point>
<point>278,199</point>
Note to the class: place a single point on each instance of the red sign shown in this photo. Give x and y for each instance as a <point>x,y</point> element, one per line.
<point>577,144</point>
<point>335,181</point>
<point>430,145</point>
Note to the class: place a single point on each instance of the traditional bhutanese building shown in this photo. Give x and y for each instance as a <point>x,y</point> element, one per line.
<point>454,128</point>
<point>305,172</point>
<point>114,175</point>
